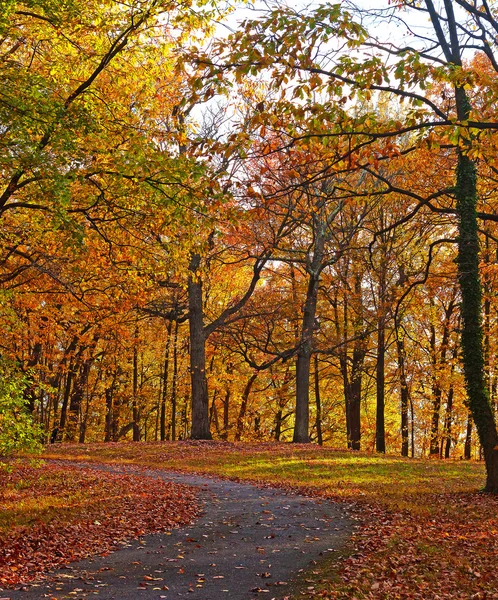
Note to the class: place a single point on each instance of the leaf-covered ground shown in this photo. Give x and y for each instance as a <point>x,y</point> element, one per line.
<point>425,531</point>
<point>51,515</point>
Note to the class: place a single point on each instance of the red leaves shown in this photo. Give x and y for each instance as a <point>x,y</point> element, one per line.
<point>422,535</point>
<point>445,552</point>
<point>110,509</point>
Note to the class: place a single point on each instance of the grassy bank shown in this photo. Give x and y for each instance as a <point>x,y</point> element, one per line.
<point>389,480</point>
<point>426,531</point>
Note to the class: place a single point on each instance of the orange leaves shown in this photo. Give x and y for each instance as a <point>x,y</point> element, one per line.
<point>400,557</point>
<point>79,513</point>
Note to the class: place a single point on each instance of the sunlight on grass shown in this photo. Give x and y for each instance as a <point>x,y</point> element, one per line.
<point>415,515</point>
<point>37,496</point>
<point>393,481</point>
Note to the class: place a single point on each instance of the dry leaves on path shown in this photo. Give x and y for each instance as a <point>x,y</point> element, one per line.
<point>53,515</point>
<point>424,531</point>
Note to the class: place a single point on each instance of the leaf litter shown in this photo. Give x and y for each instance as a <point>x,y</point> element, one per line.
<point>54,515</point>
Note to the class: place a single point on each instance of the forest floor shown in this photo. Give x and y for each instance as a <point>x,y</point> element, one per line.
<point>52,514</point>
<point>425,530</point>
<point>248,542</point>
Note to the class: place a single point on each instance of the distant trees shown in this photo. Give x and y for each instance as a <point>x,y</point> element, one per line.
<point>294,48</point>
<point>291,268</point>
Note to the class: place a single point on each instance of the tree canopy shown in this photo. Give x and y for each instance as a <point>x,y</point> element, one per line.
<point>288,233</point>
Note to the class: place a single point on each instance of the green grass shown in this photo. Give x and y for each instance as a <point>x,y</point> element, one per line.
<point>425,531</point>
<point>392,481</point>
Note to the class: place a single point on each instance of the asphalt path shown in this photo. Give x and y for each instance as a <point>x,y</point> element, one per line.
<point>250,542</point>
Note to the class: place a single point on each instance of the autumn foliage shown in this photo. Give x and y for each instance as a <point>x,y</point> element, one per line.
<point>192,249</point>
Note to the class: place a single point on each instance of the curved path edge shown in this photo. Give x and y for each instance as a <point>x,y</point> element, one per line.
<point>250,542</point>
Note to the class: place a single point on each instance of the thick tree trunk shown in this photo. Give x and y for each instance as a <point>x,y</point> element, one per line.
<point>472,335</point>
<point>200,400</point>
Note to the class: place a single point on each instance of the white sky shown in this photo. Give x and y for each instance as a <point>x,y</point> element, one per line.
<point>251,10</point>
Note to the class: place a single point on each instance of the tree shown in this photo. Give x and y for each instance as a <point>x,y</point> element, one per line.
<point>18,430</point>
<point>295,48</point>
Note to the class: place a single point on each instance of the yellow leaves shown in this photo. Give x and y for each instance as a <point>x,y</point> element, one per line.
<point>475,153</point>
<point>432,141</point>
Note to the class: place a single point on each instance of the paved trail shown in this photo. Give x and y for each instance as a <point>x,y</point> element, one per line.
<point>249,543</point>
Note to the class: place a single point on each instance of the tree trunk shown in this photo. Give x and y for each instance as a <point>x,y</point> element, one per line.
<point>318,421</point>
<point>354,403</point>
<point>65,400</point>
<point>301,425</point>
<point>226,424</point>
<point>352,394</point>
<point>76,400</point>
<point>213,413</point>
<point>404,419</point>
<point>437,363</point>
<point>108,414</point>
<point>30,390</point>
<point>380,429</point>
<point>164,394</point>
<point>135,401</point>
<point>226,404</point>
<point>174,383</point>
<point>243,407</point>
<point>448,421</point>
<point>448,417</point>
<point>404,393</point>
<point>412,415</point>
<point>436,399</point>
<point>200,400</point>
<point>470,285</point>
<point>467,449</point>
